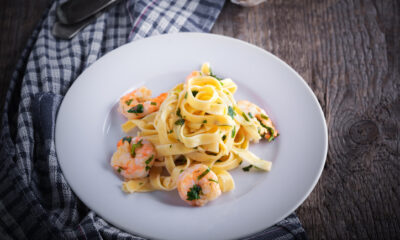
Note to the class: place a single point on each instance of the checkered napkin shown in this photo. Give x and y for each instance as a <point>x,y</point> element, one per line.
<point>35,199</point>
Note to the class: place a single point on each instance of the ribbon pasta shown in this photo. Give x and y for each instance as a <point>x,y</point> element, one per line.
<point>198,122</point>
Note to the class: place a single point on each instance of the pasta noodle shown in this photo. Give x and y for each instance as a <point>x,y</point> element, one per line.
<point>198,122</point>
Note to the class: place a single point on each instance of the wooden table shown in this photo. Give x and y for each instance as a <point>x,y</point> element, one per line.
<point>349,54</point>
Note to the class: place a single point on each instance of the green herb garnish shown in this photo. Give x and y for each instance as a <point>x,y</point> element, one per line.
<point>212,180</point>
<point>136,146</point>
<point>203,174</point>
<point>195,92</point>
<point>233,131</point>
<point>194,193</point>
<point>231,112</point>
<point>271,138</point>
<point>181,171</point>
<point>119,169</point>
<point>246,169</point>
<point>136,109</point>
<point>214,76</point>
<point>170,131</point>
<point>264,116</point>
<point>178,112</point>
<point>245,117</point>
<point>128,139</point>
<point>250,115</point>
<point>149,160</point>
<point>205,121</point>
<point>185,95</point>
<point>270,130</point>
<point>262,135</point>
<point>223,138</point>
<point>180,121</point>
<point>128,102</point>
<point>148,168</point>
<point>153,103</point>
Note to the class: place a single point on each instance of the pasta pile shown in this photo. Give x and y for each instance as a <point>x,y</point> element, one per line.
<point>198,122</point>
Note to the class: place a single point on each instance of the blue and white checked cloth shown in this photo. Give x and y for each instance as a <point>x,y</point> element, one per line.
<point>35,199</point>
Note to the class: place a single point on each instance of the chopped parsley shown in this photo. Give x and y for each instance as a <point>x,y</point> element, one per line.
<point>231,112</point>
<point>250,115</point>
<point>233,131</point>
<point>180,121</point>
<point>212,180</point>
<point>195,92</point>
<point>194,193</point>
<point>262,135</point>
<point>246,169</point>
<point>203,174</point>
<point>128,139</point>
<point>181,171</point>
<point>170,131</point>
<point>264,116</point>
<point>170,146</point>
<point>149,160</point>
<point>214,76</point>
<point>205,121</point>
<point>135,146</point>
<point>240,162</point>
<point>271,137</point>
<point>136,109</point>
<point>178,112</point>
<point>245,117</point>
<point>270,130</point>
<point>153,103</point>
<point>119,169</point>
<point>223,138</point>
<point>140,183</point>
<point>128,102</point>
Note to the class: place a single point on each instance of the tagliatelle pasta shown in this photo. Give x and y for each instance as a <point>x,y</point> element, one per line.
<point>200,122</point>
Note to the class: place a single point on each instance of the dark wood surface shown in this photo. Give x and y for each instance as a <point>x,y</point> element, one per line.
<point>349,54</point>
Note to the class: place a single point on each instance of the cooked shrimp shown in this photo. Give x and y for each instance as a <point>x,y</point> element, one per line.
<point>198,184</point>
<point>138,103</point>
<point>268,129</point>
<point>134,157</point>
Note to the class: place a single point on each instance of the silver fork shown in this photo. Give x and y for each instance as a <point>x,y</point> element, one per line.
<point>74,15</point>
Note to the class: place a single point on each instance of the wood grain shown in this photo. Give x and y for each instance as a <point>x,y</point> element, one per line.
<point>349,54</point>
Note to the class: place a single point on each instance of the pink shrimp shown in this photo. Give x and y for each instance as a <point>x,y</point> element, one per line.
<point>134,157</point>
<point>138,103</point>
<point>268,129</point>
<point>197,185</point>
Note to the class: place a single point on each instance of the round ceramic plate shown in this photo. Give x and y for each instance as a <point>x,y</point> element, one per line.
<point>88,128</point>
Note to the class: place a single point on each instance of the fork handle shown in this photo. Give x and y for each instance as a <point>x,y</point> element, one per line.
<point>74,11</point>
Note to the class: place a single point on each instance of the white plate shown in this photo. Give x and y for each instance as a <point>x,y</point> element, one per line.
<point>88,128</point>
